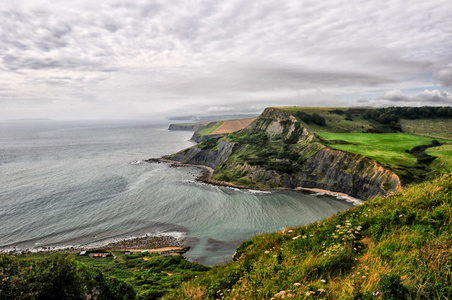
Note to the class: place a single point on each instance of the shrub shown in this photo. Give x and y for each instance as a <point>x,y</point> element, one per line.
<point>391,287</point>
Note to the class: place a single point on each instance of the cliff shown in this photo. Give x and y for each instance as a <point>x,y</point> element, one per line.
<point>211,157</point>
<point>187,127</point>
<point>277,150</point>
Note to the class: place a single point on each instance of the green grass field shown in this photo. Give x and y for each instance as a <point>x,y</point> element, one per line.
<point>386,148</point>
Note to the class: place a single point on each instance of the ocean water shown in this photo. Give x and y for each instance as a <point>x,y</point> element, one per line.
<point>82,183</point>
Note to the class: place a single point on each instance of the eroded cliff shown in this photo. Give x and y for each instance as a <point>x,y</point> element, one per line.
<point>207,157</point>
<point>277,150</point>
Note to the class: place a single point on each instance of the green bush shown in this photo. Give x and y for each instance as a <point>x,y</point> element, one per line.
<point>391,287</point>
<point>57,277</point>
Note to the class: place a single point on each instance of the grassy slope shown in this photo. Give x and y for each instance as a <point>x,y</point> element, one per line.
<point>444,162</point>
<point>335,122</point>
<point>437,128</point>
<point>150,275</point>
<point>386,148</point>
<point>347,256</point>
<point>211,127</point>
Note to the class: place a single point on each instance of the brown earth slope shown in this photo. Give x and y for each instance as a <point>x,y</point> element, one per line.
<point>233,126</point>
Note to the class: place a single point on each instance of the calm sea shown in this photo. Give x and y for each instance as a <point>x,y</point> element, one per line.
<point>78,183</point>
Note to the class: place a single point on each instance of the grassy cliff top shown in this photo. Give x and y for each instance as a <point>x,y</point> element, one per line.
<point>398,247</point>
<point>430,121</point>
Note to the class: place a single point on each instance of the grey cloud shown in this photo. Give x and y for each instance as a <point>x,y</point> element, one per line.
<point>42,63</point>
<point>220,54</point>
<point>38,30</point>
<point>444,76</point>
<point>111,25</point>
<point>264,77</point>
<point>427,97</point>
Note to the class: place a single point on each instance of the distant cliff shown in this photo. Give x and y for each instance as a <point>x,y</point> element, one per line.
<point>187,126</point>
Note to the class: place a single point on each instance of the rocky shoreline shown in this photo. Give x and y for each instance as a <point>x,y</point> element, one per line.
<point>167,243</point>
<point>207,173</point>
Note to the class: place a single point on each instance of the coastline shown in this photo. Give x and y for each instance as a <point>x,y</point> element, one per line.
<point>157,244</point>
<point>207,173</point>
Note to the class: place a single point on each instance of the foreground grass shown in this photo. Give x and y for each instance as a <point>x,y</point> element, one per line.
<point>150,274</point>
<point>70,276</point>
<point>398,247</point>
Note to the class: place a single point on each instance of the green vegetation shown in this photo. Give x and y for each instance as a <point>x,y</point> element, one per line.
<point>150,274</point>
<point>315,118</point>
<point>57,277</point>
<point>209,128</point>
<point>69,276</point>
<point>409,156</point>
<point>257,148</point>
<point>209,144</point>
<point>378,120</point>
<point>336,119</point>
<point>443,163</point>
<point>397,247</point>
<point>436,128</point>
<point>389,148</point>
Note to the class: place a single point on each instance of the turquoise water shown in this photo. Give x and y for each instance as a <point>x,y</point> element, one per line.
<point>78,183</point>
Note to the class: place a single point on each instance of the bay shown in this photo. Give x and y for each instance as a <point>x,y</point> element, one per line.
<point>71,183</point>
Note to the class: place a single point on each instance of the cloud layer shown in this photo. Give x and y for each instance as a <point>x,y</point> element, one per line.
<point>151,58</point>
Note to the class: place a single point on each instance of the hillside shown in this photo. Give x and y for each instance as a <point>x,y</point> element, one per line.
<point>358,151</point>
<point>141,275</point>
<point>219,128</point>
<point>399,247</point>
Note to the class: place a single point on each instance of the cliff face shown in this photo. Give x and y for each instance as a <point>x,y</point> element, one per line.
<point>210,158</point>
<point>345,172</point>
<point>201,138</point>
<point>276,150</point>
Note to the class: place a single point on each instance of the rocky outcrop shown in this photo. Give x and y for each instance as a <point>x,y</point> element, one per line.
<point>345,172</point>
<point>332,170</point>
<point>210,158</point>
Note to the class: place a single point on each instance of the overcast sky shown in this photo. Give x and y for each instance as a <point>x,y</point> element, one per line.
<point>136,59</point>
